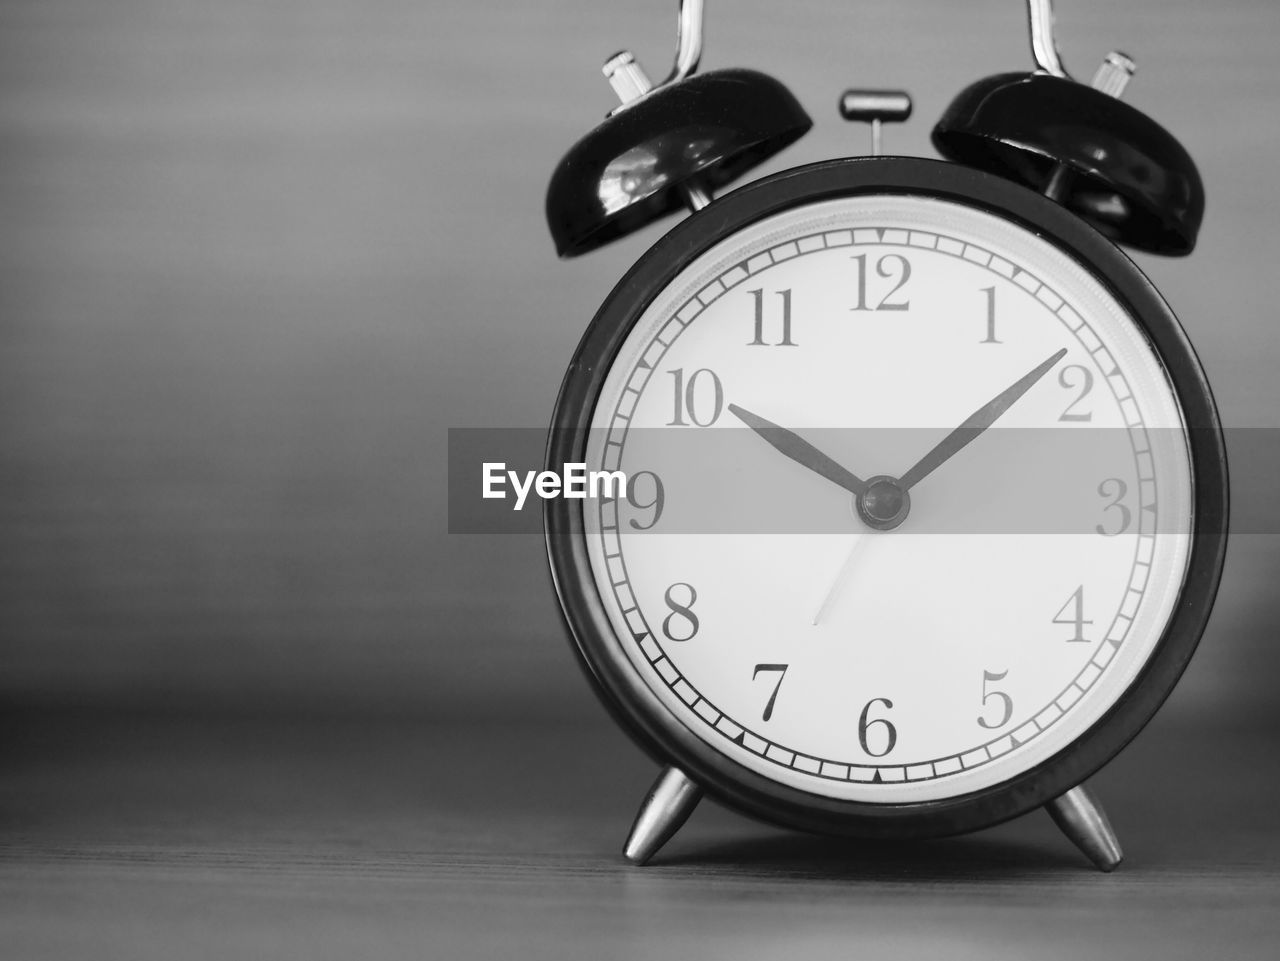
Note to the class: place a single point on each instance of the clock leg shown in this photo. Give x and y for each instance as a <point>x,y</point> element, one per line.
<point>1082,819</point>
<point>667,806</point>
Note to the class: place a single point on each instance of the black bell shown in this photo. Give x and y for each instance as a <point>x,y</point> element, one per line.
<point>1104,160</point>
<point>709,129</point>
<point>1079,145</point>
<point>668,145</point>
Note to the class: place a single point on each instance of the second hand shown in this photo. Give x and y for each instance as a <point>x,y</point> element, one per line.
<point>858,547</point>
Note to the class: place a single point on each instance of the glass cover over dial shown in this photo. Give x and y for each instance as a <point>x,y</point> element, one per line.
<point>822,578</point>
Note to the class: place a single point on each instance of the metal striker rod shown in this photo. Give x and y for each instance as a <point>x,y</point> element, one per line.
<point>694,196</point>
<point>1112,77</point>
<point>630,83</point>
<point>1114,74</point>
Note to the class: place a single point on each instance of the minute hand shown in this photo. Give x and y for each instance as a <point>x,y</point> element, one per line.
<point>975,424</point>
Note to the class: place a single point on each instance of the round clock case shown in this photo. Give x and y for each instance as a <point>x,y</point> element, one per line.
<point>664,736</point>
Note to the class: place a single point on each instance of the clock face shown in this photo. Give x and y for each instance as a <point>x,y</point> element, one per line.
<point>820,580</point>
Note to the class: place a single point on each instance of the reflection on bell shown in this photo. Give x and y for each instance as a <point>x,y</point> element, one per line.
<point>630,177</point>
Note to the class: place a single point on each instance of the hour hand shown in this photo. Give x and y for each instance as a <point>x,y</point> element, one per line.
<point>800,450</point>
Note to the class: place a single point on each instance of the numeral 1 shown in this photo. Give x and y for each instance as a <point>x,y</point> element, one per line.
<point>991,316</point>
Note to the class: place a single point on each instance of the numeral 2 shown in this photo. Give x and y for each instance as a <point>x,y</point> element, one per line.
<point>1086,385</point>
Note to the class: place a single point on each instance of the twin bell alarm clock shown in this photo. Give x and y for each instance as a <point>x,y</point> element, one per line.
<point>926,493</point>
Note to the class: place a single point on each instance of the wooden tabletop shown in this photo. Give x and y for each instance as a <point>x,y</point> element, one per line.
<point>163,838</point>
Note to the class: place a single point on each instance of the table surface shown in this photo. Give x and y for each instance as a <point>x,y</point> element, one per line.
<point>175,838</point>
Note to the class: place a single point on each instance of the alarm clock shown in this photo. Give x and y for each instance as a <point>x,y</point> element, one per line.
<point>927,492</point>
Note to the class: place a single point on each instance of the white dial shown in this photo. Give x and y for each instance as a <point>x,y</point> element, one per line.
<point>961,619</point>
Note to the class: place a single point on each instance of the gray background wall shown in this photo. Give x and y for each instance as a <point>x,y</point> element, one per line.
<point>257,258</point>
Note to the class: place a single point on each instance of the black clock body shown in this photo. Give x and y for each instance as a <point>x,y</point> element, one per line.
<point>658,731</point>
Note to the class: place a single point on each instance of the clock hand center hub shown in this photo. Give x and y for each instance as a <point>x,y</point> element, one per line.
<point>884,504</point>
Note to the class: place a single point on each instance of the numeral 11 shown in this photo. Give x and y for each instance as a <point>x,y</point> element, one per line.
<point>758,340</point>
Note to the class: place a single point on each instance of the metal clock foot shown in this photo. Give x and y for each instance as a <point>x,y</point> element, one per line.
<point>1082,819</point>
<point>666,807</point>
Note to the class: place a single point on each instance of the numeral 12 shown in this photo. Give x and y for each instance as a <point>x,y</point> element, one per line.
<point>885,268</point>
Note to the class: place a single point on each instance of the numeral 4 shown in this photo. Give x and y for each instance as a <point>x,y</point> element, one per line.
<point>1076,619</point>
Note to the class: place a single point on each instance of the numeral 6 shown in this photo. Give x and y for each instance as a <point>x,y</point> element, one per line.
<point>866,723</point>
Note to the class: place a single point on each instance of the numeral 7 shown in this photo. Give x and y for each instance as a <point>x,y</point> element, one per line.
<point>781,670</point>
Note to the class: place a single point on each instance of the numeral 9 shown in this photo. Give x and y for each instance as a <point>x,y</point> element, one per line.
<point>1076,620</point>
<point>656,502</point>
